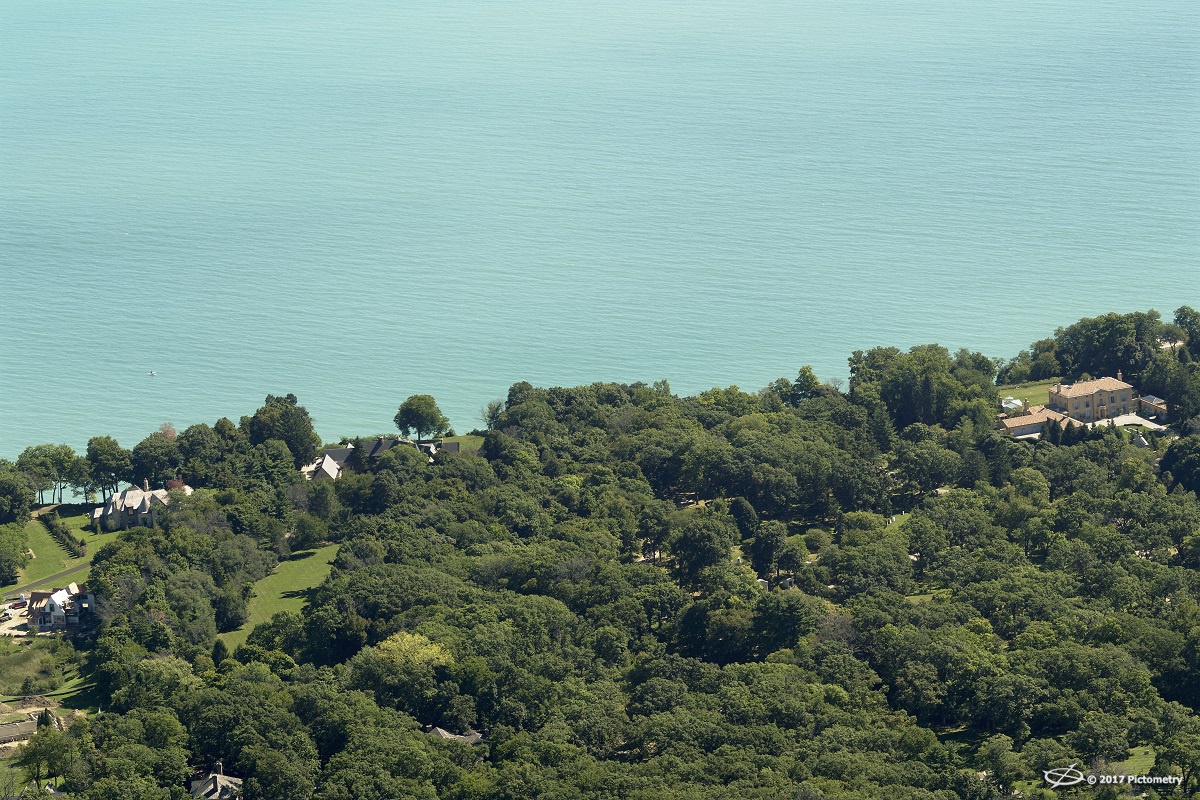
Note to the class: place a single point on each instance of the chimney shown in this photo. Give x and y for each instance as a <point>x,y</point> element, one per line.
<point>220,769</point>
<point>1118,374</point>
<point>145,484</point>
<point>1025,405</point>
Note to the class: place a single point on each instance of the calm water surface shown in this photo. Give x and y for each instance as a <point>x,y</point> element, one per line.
<point>363,200</point>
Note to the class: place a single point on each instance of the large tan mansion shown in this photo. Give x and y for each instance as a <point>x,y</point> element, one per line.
<point>1093,400</point>
<point>1080,403</point>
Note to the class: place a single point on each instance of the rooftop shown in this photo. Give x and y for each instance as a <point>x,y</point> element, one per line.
<point>1089,387</point>
<point>1036,415</point>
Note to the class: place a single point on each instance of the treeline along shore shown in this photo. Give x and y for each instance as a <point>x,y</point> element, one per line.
<point>811,591</point>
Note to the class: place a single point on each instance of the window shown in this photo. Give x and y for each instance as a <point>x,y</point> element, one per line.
<point>1077,406</point>
<point>1124,397</point>
<point>1087,403</point>
<point>1112,398</point>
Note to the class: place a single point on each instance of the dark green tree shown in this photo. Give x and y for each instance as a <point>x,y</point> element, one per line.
<point>698,543</point>
<point>421,415</point>
<point>16,498</point>
<point>155,460</point>
<point>283,418</point>
<point>1182,461</point>
<point>1188,319</point>
<point>768,543</point>
<point>110,463</point>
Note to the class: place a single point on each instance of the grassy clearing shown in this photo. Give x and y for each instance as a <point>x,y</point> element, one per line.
<point>467,443</point>
<point>1140,761</point>
<point>285,589</point>
<point>50,558</point>
<point>12,777</point>
<point>20,661</point>
<point>1036,393</point>
<point>916,599</point>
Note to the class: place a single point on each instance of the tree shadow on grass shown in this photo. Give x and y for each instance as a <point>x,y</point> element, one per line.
<point>300,555</point>
<point>307,595</point>
<point>87,699</point>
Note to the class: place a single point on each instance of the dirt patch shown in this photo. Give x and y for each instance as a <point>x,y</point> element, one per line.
<point>71,718</point>
<point>5,709</point>
<point>35,703</point>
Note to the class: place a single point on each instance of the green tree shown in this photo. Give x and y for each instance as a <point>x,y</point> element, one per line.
<point>402,671</point>
<point>284,419</point>
<point>1182,460</point>
<point>47,754</point>
<point>111,463</point>
<point>1182,751</point>
<point>805,386</point>
<point>420,414</point>
<point>155,460</point>
<point>997,758</point>
<point>16,498</point>
<point>47,466</point>
<point>13,555</point>
<point>699,543</point>
<point>928,465</point>
<point>1188,319</point>
<point>766,546</point>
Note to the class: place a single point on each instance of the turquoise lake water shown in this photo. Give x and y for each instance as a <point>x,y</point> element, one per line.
<point>359,201</point>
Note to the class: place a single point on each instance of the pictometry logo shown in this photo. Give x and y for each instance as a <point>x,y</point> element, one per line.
<point>1070,776</point>
<point>1063,776</point>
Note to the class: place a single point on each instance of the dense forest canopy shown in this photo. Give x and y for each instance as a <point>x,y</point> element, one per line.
<point>799,592</point>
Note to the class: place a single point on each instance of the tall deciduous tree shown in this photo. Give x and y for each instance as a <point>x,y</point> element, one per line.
<point>13,556</point>
<point>767,545</point>
<point>806,385</point>
<point>283,418</point>
<point>420,414</point>
<point>1182,460</point>
<point>16,498</point>
<point>47,466</point>
<point>155,459</point>
<point>110,463</point>
<point>699,543</point>
<point>1188,319</point>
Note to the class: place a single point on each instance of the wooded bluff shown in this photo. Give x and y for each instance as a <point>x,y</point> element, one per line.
<point>615,592</point>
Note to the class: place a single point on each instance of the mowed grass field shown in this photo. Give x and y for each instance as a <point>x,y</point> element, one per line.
<point>50,558</point>
<point>285,589</point>
<point>467,443</point>
<point>1036,393</point>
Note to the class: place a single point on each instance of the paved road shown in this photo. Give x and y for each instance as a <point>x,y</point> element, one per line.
<point>50,579</point>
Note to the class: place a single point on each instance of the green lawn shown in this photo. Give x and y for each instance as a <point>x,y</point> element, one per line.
<point>468,443</point>
<point>917,599</point>
<point>285,589</point>
<point>21,659</point>
<point>12,777</point>
<point>50,556</point>
<point>1036,393</point>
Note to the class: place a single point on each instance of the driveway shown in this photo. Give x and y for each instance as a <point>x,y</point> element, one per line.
<point>1132,419</point>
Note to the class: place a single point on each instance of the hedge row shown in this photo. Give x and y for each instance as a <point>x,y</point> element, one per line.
<point>59,530</point>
